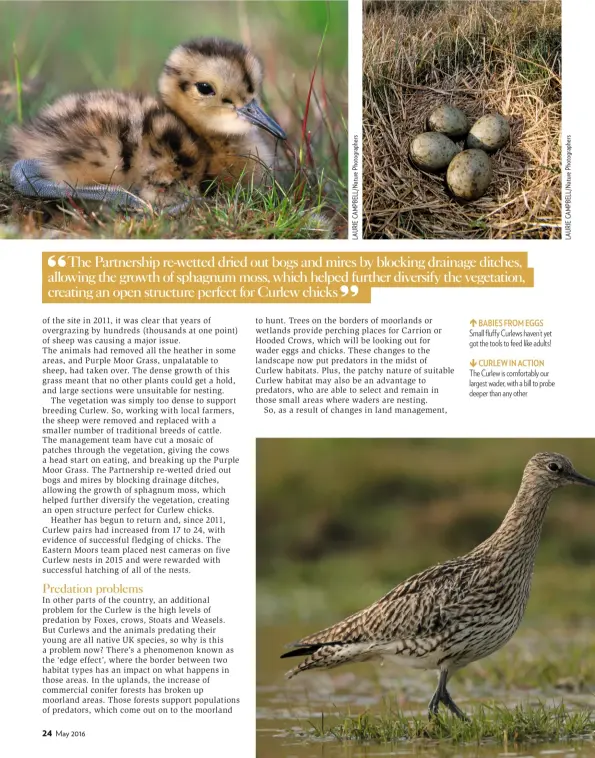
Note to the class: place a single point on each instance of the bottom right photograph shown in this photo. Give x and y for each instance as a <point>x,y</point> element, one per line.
<point>434,590</point>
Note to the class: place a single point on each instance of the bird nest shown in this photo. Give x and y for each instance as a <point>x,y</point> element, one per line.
<point>481,57</point>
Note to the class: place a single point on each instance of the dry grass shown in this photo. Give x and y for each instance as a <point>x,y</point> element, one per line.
<point>481,56</point>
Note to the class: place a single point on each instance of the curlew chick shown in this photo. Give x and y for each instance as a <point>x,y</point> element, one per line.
<point>214,86</point>
<point>456,612</point>
<point>111,146</point>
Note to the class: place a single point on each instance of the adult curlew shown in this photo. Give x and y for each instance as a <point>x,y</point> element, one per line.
<point>456,612</point>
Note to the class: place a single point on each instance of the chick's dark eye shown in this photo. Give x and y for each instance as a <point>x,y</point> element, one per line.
<point>553,467</point>
<point>205,88</point>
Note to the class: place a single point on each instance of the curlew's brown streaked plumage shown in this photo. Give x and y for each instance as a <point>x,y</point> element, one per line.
<point>456,612</point>
<point>113,146</point>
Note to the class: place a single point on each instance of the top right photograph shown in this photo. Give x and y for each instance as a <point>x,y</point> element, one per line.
<point>462,111</point>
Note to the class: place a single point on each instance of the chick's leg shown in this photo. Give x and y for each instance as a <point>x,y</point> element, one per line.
<point>27,178</point>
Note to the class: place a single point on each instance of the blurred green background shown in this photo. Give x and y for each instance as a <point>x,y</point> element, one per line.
<point>64,46</point>
<point>341,521</point>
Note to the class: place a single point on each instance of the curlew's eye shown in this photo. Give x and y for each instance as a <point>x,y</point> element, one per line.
<point>554,467</point>
<point>205,88</point>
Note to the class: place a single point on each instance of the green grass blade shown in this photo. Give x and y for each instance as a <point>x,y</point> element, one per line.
<point>18,83</point>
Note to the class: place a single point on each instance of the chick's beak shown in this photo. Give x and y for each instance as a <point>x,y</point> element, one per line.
<point>580,479</point>
<point>253,112</point>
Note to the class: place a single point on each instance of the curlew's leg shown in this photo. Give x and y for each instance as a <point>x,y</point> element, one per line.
<point>434,703</point>
<point>452,706</point>
<point>443,696</point>
<point>27,178</point>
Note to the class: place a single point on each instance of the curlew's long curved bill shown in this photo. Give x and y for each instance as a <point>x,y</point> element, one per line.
<point>580,479</point>
<point>253,112</point>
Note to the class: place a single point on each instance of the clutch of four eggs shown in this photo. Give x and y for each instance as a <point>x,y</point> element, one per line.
<point>470,170</point>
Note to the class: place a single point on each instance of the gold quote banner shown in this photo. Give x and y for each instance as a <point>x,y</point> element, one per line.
<point>267,277</point>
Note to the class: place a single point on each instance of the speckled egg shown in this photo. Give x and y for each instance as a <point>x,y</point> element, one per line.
<point>469,174</point>
<point>432,151</point>
<point>489,133</point>
<point>448,120</point>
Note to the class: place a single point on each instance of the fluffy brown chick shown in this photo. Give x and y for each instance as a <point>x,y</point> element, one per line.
<point>207,124</point>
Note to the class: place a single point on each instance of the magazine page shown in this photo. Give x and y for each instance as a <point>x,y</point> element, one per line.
<point>298,455</point>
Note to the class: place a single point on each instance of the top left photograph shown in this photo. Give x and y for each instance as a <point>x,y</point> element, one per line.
<point>174,120</point>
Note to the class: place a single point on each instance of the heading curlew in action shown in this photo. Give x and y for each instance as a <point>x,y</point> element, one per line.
<point>456,612</point>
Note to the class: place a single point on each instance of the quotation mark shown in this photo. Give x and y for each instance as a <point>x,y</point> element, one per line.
<point>345,290</point>
<point>53,262</point>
